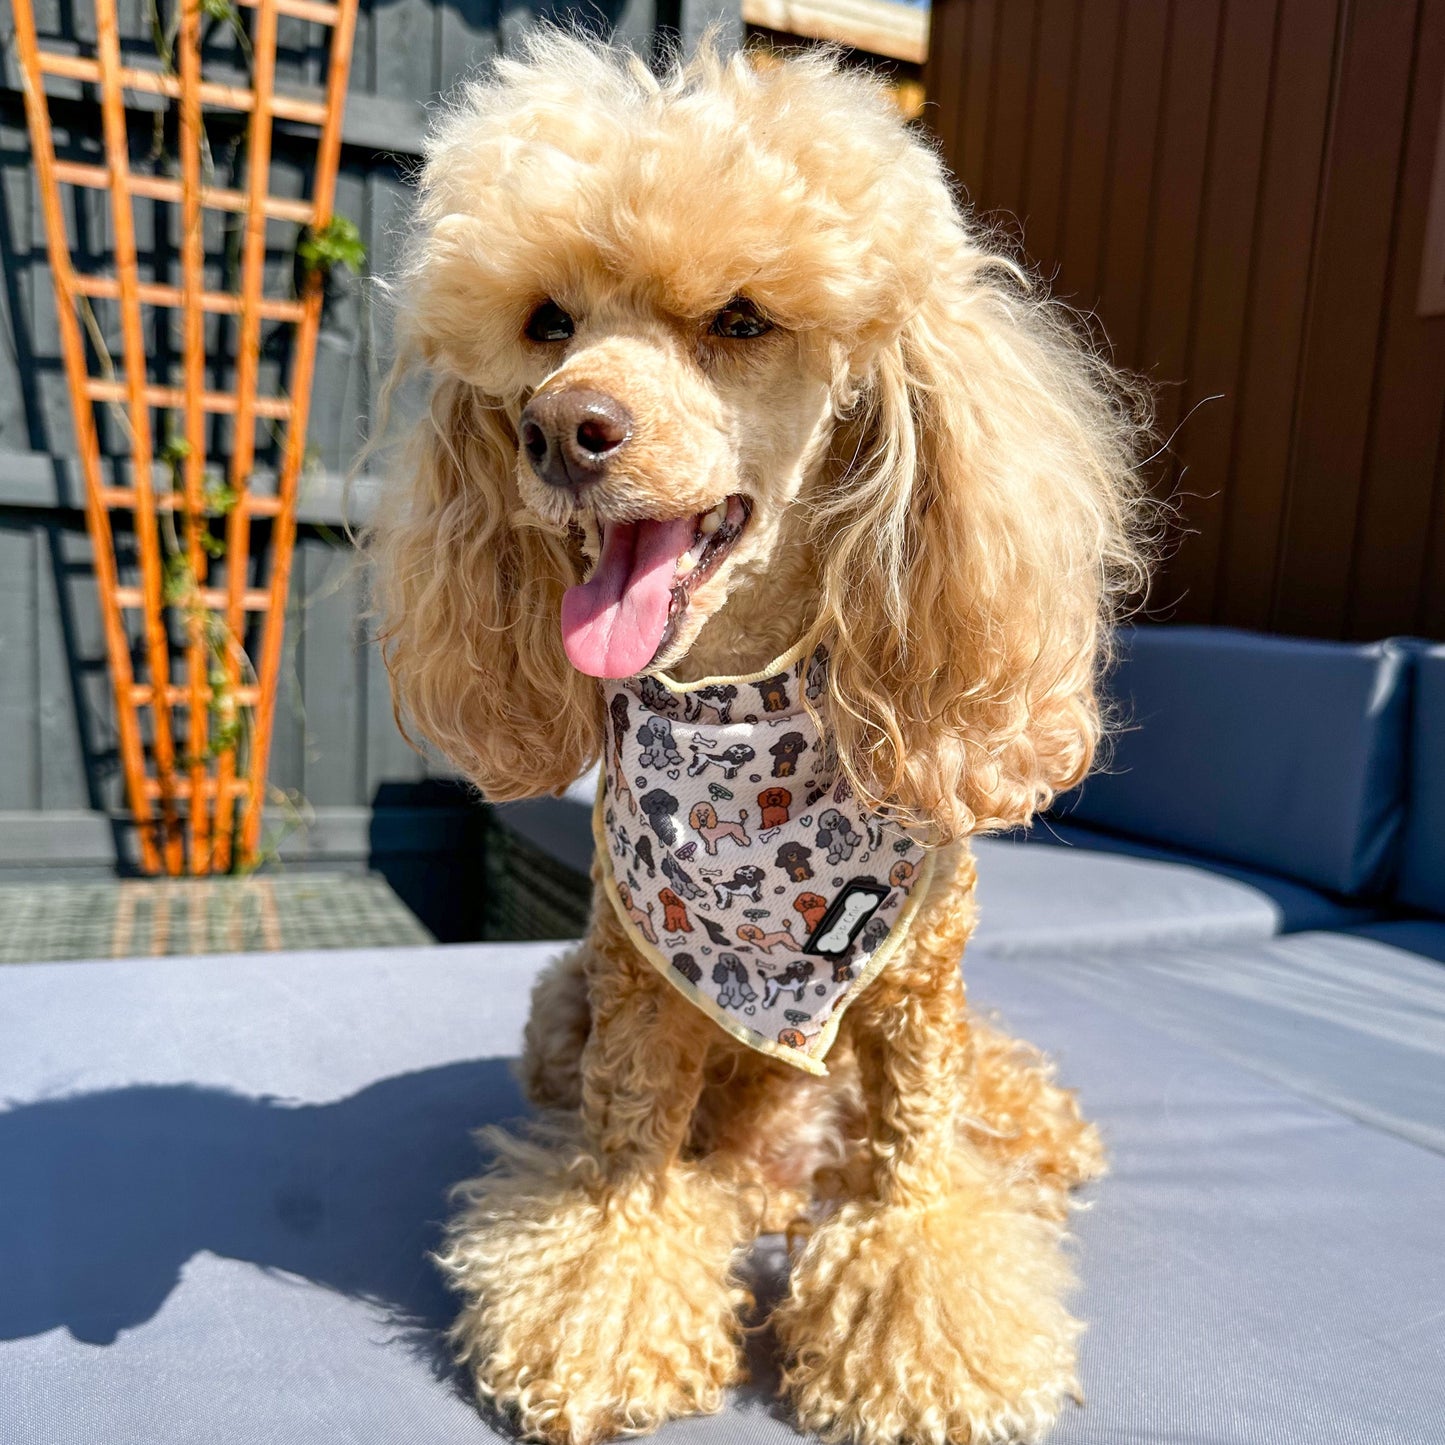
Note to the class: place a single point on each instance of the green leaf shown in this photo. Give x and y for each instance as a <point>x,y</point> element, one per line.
<point>337,243</point>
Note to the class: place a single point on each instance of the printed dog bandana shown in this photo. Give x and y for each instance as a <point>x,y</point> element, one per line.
<point>739,859</point>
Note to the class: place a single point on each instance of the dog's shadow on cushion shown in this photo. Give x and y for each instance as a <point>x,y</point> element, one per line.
<point>104,1197</point>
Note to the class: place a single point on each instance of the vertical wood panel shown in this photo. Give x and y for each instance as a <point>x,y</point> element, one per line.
<point>65,780</point>
<point>943,71</point>
<point>1293,165</point>
<point>971,143</point>
<point>1341,356</point>
<point>1086,174</point>
<point>1171,257</point>
<point>1226,249</point>
<point>1053,91</point>
<point>1012,88</point>
<point>1240,187</point>
<point>19,757</point>
<point>1399,481</point>
<point>1131,178</point>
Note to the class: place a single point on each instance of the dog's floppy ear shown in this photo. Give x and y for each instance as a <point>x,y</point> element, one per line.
<point>469,595</point>
<point>982,533</point>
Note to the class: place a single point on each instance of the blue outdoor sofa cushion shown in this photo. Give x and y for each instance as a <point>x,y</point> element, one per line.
<point>1276,753</point>
<point>1422,864</point>
<point>1297,906</point>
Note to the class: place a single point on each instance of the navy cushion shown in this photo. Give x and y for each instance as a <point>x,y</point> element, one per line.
<point>1424,936</point>
<point>1298,906</point>
<point>1422,867</point>
<point>1272,752</point>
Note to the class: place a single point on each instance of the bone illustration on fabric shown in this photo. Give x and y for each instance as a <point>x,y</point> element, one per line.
<point>839,935</point>
<point>725,878</point>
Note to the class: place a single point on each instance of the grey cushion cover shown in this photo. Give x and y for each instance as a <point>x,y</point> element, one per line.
<point>220,1176</point>
<point>1272,752</point>
<point>1297,906</point>
<point>1349,1021</point>
<point>1035,898</point>
<point>1422,865</point>
<point>1425,936</point>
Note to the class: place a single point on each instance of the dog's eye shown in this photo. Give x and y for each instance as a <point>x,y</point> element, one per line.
<point>740,320</point>
<point>549,322</point>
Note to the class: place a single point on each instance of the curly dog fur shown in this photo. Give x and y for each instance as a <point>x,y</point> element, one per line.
<point>941,483</point>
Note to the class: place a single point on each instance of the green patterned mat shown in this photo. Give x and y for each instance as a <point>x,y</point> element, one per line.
<point>50,922</point>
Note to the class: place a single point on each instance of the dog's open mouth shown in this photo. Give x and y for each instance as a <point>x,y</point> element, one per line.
<point>627,611</point>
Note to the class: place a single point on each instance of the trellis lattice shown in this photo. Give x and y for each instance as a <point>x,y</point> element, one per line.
<point>199,586</point>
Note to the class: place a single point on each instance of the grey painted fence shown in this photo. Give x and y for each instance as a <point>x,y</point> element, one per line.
<point>336,745</point>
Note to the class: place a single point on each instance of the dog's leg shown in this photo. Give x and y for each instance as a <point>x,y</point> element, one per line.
<point>1017,1114</point>
<point>557,1027</point>
<point>930,1309</point>
<point>594,1265</point>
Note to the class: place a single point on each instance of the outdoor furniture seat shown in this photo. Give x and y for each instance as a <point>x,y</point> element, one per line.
<point>221,1176</point>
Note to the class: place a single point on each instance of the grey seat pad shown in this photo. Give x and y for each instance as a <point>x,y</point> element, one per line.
<point>1347,1020</point>
<point>219,1178</point>
<point>1033,897</point>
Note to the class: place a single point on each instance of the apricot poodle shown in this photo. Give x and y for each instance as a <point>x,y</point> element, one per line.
<point>731,406</point>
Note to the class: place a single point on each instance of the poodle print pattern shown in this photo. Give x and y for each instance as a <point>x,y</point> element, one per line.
<point>724,814</point>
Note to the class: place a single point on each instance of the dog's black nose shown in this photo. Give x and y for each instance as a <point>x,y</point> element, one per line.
<point>571,435</point>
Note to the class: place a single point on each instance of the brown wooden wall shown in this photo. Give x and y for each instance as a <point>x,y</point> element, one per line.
<point>1240,189</point>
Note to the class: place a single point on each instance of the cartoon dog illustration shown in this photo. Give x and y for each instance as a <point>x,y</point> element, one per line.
<point>674,915</point>
<point>719,699</point>
<point>793,860</point>
<point>735,990</point>
<point>641,919</point>
<point>680,878</point>
<point>655,697</point>
<point>774,693</point>
<point>774,803</point>
<point>793,979</point>
<point>812,906</point>
<point>658,806</point>
<point>658,748</point>
<point>705,821</point>
<point>767,942</point>
<point>836,837</point>
<point>842,971</point>
<point>618,709</point>
<point>686,965</point>
<point>746,882</point>
<point>792,1038</point>
<point>874,932</point>
<point>902,874</point>
<point>643,854</point>
<point>730,759</point>
<point>786,752</point>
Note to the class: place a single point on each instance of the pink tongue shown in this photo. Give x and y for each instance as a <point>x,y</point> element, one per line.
<point>612,623</point>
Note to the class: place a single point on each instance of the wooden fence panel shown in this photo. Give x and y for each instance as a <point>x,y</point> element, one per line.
<point>1240,192</point>
<point>335,741</point>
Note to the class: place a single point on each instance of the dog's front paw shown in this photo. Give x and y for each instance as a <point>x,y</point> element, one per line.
<point>590,1312</point>
<point>932,1326</point>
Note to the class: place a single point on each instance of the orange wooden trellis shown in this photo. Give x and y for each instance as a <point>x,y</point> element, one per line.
<point>185,795</point>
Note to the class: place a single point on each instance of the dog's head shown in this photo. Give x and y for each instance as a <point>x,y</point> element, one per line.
<point>715,362</point>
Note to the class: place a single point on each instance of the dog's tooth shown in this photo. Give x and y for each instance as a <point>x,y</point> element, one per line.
<point>685,564</point>
<point>713,520</point>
